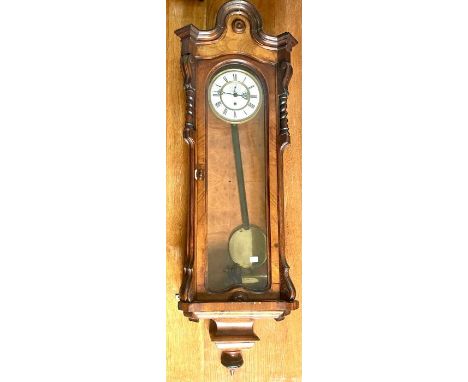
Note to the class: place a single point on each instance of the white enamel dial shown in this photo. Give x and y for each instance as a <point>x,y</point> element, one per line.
<point>235,95</point>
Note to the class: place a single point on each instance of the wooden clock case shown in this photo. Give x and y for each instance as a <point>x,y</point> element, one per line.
<point>236,38</point>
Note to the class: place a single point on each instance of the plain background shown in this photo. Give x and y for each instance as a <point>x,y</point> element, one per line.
<point>385,178</point>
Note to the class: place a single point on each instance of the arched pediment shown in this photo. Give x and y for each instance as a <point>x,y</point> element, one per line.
<point>229,19</point>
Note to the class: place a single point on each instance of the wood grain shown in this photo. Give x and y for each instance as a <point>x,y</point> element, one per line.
<point>204,67</point>
<point>233,41</point>
<point>191,356</point>
<point>182,335</point>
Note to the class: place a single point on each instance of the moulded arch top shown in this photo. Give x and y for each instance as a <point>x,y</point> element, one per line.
<point>250,14</point>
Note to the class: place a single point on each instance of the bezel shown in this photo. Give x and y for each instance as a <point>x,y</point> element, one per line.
<point>252,76</point>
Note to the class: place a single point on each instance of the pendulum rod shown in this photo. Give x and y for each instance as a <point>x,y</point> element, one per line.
<point>240,176</point>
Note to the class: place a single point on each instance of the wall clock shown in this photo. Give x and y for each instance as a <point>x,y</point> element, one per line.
<point>236,86</point>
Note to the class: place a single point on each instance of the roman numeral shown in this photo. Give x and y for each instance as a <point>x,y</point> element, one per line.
<point>250,87</point>
<point>235,115</point>
<point>234,76</point>
<point>216,95</point>
<point>244,112</point>
<point>251,105</point>
<point>225,78</point>
<point>218,104</point>
<point>225,112</point>
<point>253,96</point>
<point>244,79</point>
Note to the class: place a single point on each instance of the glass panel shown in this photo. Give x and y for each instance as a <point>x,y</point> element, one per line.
<point>236,186</point>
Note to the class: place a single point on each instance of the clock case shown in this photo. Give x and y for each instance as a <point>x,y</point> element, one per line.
<point>237,39</point>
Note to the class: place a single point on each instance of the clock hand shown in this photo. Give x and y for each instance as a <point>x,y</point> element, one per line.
<point>240,176</point>
<point>234,94</point>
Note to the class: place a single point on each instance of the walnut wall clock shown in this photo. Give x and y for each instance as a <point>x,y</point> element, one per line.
<point>236,85</point>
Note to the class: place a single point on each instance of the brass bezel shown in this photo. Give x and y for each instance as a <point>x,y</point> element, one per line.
<point>255,79</point>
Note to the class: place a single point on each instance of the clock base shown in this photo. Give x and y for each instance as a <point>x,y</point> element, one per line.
<point>232,336</point>
<point>232,324</point>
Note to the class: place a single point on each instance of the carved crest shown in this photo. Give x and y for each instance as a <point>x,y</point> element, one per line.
<point>191,36</point>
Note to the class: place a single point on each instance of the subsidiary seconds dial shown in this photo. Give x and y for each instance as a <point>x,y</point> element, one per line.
<point>235,95</point>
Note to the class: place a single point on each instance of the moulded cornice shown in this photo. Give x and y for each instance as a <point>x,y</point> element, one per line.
<point>242,7</point>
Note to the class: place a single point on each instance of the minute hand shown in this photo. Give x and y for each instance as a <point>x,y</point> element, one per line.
<point>243,95</point>
<point>240,176</point>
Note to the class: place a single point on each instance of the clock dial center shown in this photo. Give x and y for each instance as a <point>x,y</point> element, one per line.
<point>235,95</point>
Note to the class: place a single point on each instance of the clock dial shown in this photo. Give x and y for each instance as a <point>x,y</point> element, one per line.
<point>235,95</point>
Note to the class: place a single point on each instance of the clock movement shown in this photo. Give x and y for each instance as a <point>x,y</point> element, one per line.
<point>236,86</point>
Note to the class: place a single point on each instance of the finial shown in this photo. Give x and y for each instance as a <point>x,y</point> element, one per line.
<point>232,359</point>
